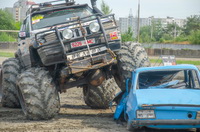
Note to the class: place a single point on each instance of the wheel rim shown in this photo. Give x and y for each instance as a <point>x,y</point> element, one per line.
<point>21,100</point>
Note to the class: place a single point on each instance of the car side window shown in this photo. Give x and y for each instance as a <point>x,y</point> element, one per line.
<point>27,29</point>
<point>22,27</point>
<point>196,80</point>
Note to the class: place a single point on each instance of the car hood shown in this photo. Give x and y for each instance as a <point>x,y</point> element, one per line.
<point>149,97</point>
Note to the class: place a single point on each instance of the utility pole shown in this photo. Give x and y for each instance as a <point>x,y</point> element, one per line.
<point>151,28</point>
<point>138,32</point>
<point>174,30</point>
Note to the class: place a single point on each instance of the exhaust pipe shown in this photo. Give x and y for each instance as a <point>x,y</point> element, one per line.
<point>94,3</point>
<point>94,6</point>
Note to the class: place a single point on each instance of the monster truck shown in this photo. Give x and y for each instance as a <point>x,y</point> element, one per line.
<point>65,45</point>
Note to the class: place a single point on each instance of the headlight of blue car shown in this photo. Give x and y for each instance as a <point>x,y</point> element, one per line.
<point>145,114</point>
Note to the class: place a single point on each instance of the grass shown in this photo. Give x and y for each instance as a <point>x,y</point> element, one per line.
<point>178,61</point>
<point>6,54</point>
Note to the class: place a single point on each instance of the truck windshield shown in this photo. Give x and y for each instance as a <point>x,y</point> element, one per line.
<point>52,18</point>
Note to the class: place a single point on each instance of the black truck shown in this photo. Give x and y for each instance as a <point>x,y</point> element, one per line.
<point>64,45</point>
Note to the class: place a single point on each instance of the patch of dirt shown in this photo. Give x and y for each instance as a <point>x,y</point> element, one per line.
<point>74,116</point>
<point>2,59</point>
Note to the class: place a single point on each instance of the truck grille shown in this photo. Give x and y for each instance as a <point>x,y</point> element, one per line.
<point>78,33</point>
<point>50,37</point>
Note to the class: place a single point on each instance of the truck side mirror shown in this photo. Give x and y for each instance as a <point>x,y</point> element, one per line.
<point>22,34</point>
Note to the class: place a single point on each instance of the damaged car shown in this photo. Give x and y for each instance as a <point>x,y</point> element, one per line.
<point>165,97</point>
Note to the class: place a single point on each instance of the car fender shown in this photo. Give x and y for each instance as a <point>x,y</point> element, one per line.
<point>123,97</point>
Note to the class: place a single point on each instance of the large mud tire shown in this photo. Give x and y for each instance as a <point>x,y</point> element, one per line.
<point>101,96</point>
<point>130,57</point>
<point>10,70</point>
<point>38,96</point>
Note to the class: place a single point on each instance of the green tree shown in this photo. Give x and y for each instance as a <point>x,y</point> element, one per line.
<point>172,32</point>
<point>127,36</point>
<point>145,34</point>
<point>192,24</point>
<point>8,23</point>
<point>194,38</point>
<point>105,8</point>
<point>157,30</point>
<point>4,37</point>
<point>18,25</point>
<point>172,29</point>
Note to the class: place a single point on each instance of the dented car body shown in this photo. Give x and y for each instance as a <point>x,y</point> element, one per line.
<point>166,97</point>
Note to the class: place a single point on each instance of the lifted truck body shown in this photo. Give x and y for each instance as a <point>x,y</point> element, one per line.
<point>67,45</point>
<point>83,52</point>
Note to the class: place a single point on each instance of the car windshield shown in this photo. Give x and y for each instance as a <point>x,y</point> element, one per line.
<point>51,18</point>
<point>179,79</point>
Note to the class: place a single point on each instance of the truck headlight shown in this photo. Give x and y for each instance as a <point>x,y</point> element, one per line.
<point>41,41</point>
<point>145,114</point>
<point>67,33</point>
<point>94,27</point>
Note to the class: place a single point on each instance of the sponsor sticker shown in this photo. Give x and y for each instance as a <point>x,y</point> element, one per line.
<point>82,43</point>
<point>85,53</point>
<point>114,36</point>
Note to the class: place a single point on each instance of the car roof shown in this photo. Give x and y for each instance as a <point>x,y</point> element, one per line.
<point>165,68</point>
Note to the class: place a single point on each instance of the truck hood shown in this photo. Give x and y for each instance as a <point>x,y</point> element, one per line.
<point>163,97</point>
<point>64,26</point>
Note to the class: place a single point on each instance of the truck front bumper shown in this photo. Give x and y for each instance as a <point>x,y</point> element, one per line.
<point>87,64</point>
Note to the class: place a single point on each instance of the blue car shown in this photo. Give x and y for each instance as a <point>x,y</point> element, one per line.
<point>166,97</point>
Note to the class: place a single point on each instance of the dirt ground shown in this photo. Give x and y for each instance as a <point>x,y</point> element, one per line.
<point>2,59</point>
<point>74,116</point>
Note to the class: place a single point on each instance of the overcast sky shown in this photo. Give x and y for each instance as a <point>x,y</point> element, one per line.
<point>156,8</point>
